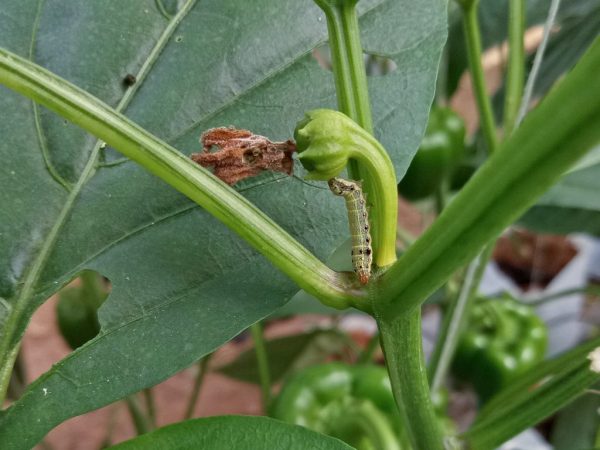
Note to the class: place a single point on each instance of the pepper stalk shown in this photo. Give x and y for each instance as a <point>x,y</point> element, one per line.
<point>353,100</point>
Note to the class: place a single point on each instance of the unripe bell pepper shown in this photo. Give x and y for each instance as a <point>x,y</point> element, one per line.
<point>503,338</point>
<point>353,403</point>
<point>440,152</point>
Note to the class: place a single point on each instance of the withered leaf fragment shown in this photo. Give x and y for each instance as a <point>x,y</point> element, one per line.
<point>241,154</point>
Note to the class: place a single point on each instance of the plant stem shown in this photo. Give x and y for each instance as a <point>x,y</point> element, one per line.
<point>184,175</point>
<point>367,354</point>
<point>473,41</point>
<point>403,350</point>
<point>455,319</point>
<point>347,61</point>
<point>150,407</point>
<point>263,364</point>
<point>138,418</point>
<point>516,64</point>
<point>353,100</point>
<point>202,371</point>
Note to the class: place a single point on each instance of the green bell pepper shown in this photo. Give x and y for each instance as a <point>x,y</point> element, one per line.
<point>440,152</point>
<point>352,403</point>
<point>503,338</point>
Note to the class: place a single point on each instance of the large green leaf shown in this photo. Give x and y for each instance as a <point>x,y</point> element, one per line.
<point>233,432</point>
<point>182,283</point>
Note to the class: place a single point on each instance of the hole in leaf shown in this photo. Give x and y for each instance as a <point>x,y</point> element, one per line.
<point>375,65</point>
<point>77,307</point>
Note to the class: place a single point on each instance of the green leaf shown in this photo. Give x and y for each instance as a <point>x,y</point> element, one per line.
<point>570,206</point>
<point>287,354</point>
<point>533,397</point>
<point>183,284</point>
<point>233,432</point>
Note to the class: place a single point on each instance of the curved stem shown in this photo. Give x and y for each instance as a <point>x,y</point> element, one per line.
<point>353,100</point>
<point>403,350</point>
<point>515,75</point>
<point>473,39</point>
<point>187,177</point>
<point>326,140</point>
<point>263,363</point>
<point>384,201</point>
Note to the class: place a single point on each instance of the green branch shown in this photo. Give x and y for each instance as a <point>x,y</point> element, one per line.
<point>515,75</point>
<point>473,41</point>
<point>180,172</point>
<point>347,60</point>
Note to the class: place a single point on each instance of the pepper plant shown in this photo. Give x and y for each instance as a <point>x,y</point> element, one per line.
<point>191,271</point>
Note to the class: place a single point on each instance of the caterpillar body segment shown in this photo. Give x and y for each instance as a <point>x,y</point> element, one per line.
<point>358,219</point>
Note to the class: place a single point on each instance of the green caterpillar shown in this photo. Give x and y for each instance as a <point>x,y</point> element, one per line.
<point>358,218</point>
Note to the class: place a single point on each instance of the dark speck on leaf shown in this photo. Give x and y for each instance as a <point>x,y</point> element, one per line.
<point>129,80</point>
